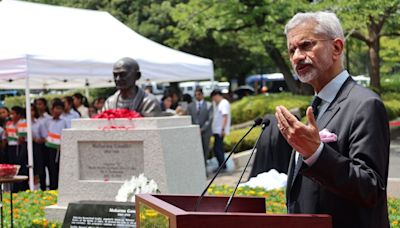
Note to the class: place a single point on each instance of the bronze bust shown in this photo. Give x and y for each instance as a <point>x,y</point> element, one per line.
<point>129,96</point>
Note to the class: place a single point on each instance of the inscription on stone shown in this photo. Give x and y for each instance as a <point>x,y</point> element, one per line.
<point>110,160</point>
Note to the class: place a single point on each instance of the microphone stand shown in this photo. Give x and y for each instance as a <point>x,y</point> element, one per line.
<point>266,122</point>
<point>256,123</point>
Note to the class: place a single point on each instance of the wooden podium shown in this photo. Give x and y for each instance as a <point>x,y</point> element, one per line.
<point>176,211</point>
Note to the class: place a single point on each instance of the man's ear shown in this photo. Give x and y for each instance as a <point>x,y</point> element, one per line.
<point>138,75</point>
<point>338,48</point>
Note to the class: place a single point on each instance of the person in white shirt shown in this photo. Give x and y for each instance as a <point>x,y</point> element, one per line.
<point>54,128</point>
<point>69,112</point>
<point>42,109</point>
<point>221,124</point>
<point>81,104</point>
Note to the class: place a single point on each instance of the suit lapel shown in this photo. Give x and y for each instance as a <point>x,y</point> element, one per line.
<point>334,107</point>
<point>326,117</point>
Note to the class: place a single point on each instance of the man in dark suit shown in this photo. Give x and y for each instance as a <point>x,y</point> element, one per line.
<point>343,170</point>
<point>201,113</point>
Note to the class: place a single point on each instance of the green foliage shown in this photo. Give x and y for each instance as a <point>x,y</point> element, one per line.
<point>392,104</point>
<point>20,100</point>
<point>274,199</point>
<point>252,107</point>
<point>234,137</point>
<point>28,208</point>
<point>391,83</point>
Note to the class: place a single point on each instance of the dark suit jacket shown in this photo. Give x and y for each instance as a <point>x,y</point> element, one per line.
<point>348,180</point>
<point>203,117</point>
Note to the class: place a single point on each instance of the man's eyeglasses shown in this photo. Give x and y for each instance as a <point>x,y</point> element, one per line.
<point>304,45</point>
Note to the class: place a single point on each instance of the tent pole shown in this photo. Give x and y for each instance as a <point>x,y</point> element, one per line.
<point>29,133</point>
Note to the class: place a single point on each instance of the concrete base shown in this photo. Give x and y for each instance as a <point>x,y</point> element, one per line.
<point>393,188</point>
<point>166,149</point>
<point>55,213</point>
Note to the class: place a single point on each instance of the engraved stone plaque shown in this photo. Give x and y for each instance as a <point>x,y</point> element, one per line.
<point>110,160</point>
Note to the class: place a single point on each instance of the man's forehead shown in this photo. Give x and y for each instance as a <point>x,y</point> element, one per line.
<point>302,31</point>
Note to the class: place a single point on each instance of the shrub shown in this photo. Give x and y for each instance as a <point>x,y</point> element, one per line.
<point>392,104</point>
<point>247,143</point>
<point>252,107</point>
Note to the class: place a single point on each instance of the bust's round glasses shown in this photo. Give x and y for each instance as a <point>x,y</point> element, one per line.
<point>305,45</point>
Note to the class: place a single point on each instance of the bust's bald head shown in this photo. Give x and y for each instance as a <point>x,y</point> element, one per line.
<point>126,72</point>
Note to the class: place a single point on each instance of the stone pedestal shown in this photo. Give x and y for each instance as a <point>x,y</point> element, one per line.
<point>98,155</point>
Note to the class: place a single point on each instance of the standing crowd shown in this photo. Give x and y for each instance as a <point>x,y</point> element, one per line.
<point>48,121</point>
<point>50,118</point>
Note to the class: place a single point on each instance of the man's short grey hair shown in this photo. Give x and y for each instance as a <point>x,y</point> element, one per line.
<point>328,23</point>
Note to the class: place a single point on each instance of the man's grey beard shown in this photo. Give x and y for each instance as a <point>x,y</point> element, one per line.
<point>311,75</point>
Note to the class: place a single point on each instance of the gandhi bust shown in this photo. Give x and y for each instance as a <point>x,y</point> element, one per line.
<point>126,72</point>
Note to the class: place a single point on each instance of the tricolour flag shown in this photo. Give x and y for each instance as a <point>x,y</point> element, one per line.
<point>53,140</point>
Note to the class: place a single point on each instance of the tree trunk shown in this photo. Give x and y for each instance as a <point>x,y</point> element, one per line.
<point>373,67</point>
<point>296,87</point>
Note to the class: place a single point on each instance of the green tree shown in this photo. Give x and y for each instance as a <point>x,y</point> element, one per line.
<point>255,26</point>
<point>369,21</point>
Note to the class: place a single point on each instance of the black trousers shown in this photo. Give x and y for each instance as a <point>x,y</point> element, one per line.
<point>39,163</point>
<point>53,156</point>
<point>219,149</point>
<point>20,157</point>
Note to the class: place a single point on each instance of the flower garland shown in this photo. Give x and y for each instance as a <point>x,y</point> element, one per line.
<point>117,113</point>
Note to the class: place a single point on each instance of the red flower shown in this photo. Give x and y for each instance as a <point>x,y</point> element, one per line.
<point>118,113</point>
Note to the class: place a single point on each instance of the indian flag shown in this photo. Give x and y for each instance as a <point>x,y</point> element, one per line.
<point>12,134</point>
<point>53,140</point>
<point>22,129</point>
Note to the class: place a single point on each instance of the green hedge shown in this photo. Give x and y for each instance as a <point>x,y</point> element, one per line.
<point>20,100</point>
<point>252,107</point>
<point>392,104</point>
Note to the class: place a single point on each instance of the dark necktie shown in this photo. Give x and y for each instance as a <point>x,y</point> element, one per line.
<point>315,103</point>
<point>198,108</point>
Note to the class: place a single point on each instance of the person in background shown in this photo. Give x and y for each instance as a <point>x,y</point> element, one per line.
<point>175,95</point>
<point>81,105</point>
<point>166,103</point>
<point>340,161</point>
<point>221,124</point>
<point>54,127</point>
<point>99,103</point>
<point>4,117</point>
<point>201,113</point>
<point>148,89</point>
<point>69,111</point>
<point>17,115</point>
<point>92,111</point>
<point>38,139</point>
<point>43,109</point>
<point>16,139</point>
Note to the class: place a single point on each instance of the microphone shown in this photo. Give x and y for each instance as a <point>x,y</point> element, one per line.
<point>257,122</point>
<point>264,124</point>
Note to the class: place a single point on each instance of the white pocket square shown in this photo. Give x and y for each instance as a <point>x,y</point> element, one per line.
<point>326,136</point>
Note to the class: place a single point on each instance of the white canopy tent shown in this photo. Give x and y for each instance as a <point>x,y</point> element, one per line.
<point>43,46</point>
